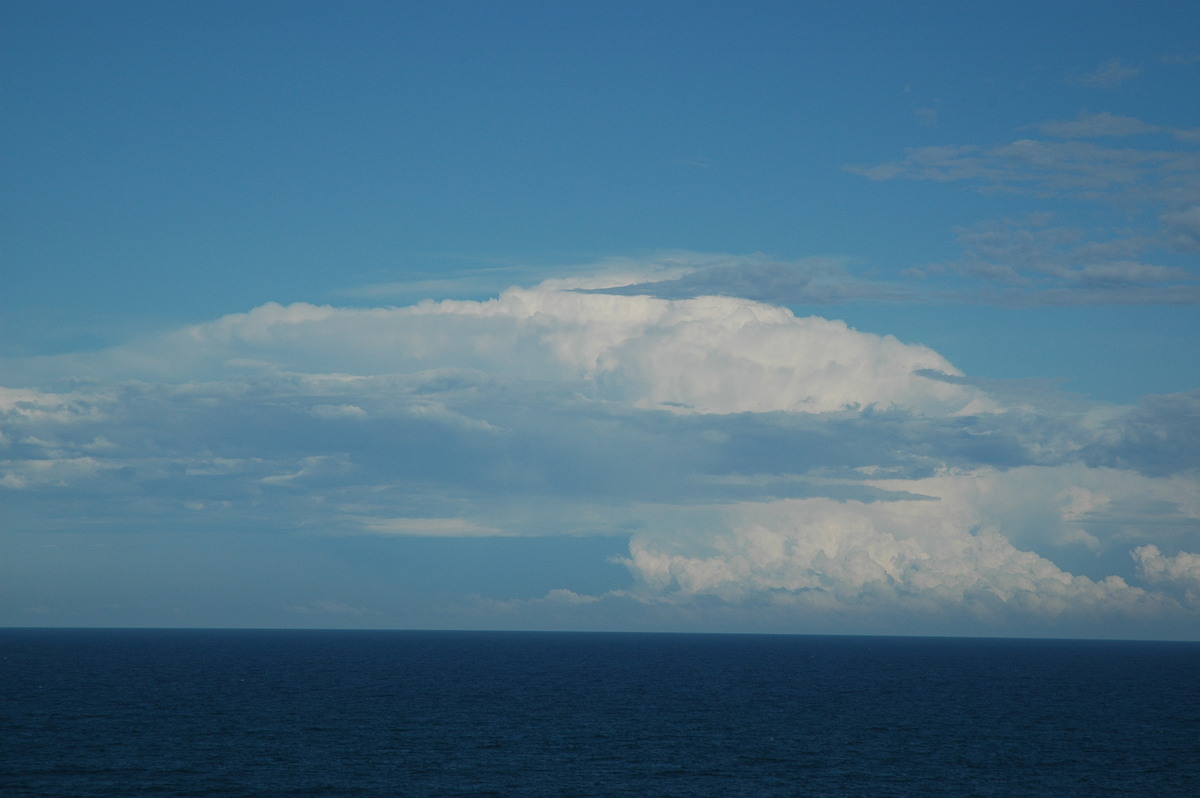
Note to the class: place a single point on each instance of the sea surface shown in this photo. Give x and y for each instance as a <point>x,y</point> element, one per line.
<point>325,713</point>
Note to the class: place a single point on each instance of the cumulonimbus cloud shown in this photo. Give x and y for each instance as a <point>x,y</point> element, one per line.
<point>750,455</point>
<point>709,354</point>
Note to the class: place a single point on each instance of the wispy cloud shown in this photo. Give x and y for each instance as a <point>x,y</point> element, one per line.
<point>927,116</point>
<point>810,281</point>
<point>1087,125</point>
<point>1034,261</point>
<point>329,607</point>
<point>428,527</point>
<point>1072,169</point>
<point>1109,75</point>
<point>1182,229</point>
<point>1180,59</point>
<point>1147,196</point>
<point>1096,125</point>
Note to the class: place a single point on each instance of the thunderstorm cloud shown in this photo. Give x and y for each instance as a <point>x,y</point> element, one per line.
<point>752,459</point>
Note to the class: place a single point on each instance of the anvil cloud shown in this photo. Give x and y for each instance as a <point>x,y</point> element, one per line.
<point>749,456</point>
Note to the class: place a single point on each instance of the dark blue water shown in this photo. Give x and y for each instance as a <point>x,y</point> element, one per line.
<point>241,713</point>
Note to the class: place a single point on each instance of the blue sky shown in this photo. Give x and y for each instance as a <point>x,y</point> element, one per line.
<point>796,317</point>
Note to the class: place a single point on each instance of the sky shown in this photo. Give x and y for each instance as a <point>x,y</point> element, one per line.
<point>819,317</point>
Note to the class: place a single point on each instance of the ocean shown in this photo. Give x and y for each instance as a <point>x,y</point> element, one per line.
<point>383,713</point>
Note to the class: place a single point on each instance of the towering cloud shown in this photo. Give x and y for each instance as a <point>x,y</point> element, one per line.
<point>752,458</point>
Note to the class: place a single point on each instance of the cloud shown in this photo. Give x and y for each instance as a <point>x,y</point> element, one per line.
<point>1181,572</point>
<point>961,548</point>
<point>30,405</point>
<point>1142,199</point>
<point>1071,168</point>
<point>50,472</point>
<point>1109,75</point>
<point>927,116</point>
<point>1182,229</point>
<point>428,527</point>
<point>328,607</point>
<point>1103,124</point>
<point>751,457</point>
<point>1180,59</point>
<point>1034,261</point>
<point>710,354</point>
<point>471,277</point>
<point>841,555</point>
<point>808,281</point>
<point>339,411</point>
<point>1096,125</point>
<point>1160,436</point>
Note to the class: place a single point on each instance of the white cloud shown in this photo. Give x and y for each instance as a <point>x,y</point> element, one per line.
<point>1087,125</point>
<point>51,471</point>
<point>708,354</point>
<point>1181,571</point>
<point>750,456</point>
<point>313,468</point>
<point>950,547</point>
<point>23,405</point>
